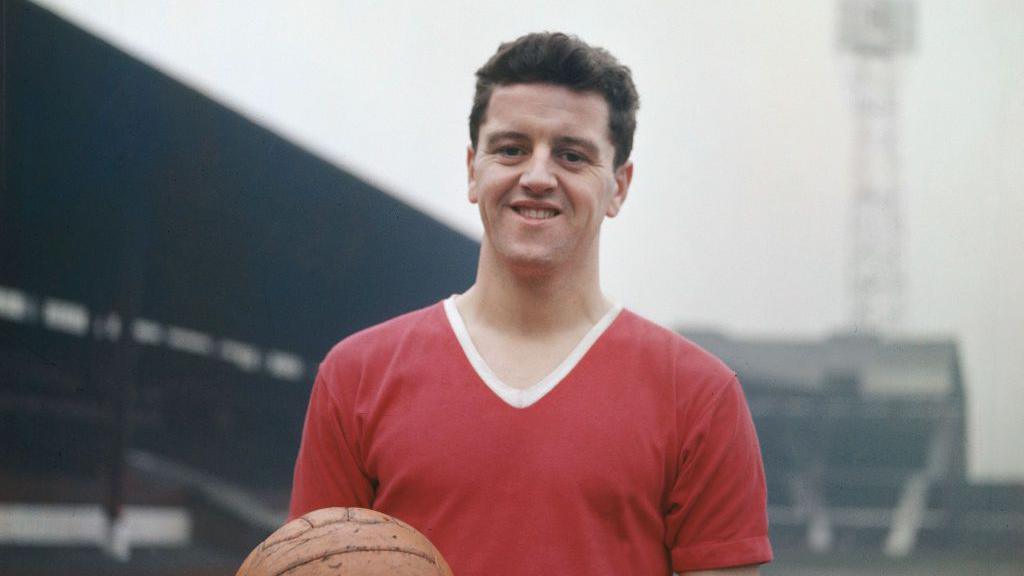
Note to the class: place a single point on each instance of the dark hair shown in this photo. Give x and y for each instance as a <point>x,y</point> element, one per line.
<point>563,60</point>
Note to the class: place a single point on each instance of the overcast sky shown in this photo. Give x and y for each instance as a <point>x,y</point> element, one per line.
<point>737,218</point>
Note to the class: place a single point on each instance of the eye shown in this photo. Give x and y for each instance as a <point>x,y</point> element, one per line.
<point>510,151</point>
<point>572,157</point>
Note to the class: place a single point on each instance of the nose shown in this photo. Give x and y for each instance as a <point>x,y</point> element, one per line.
<point>537,176</point>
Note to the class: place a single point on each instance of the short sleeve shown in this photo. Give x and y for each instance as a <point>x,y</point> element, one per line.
<point>328,470</point>
<point>717,516</point>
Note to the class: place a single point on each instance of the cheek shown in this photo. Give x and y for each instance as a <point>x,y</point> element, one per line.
<point>611,206</point>
<point>490,187</point>
<point>611,201</point>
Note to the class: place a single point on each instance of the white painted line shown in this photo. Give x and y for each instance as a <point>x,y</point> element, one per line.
<point>118,542</point>
<point>15,305</point>
<point>107,327</point>
<point>147,331</point>
<point>907,516</point>
<point>70,524</point>
<point>284,365</point>
<point>151,525</point>
<point>243,355</point>
<point>234,498</point>
<point>72,318</point>
<point>187,340</point>
<point>64,316</point>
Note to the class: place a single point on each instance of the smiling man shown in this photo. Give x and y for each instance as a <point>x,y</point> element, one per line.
<point>531,426</point>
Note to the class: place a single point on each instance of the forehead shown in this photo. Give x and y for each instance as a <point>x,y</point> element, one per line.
<point>546,109</point>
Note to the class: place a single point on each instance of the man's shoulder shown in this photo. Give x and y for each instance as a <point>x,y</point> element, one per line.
<point>389,334</point>
<point>691,378</point>
<point>655,341</point>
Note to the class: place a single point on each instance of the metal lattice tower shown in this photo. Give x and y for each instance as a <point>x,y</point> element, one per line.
<point>875,33</point>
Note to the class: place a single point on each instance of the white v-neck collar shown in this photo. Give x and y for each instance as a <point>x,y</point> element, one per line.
<point>525,397</point>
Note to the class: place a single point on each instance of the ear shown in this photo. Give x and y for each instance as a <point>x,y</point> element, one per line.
<point>471,174</point>
<point>623,176</point>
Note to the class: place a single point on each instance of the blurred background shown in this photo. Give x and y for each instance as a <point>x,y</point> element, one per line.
<point>199,199</point>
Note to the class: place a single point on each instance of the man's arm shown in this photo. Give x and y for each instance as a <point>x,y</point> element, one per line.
<point>718,515</point>
<point>328,471</point>
<point>738,571</point>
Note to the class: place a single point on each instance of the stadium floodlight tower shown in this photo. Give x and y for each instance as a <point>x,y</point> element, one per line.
<point>876,33</point>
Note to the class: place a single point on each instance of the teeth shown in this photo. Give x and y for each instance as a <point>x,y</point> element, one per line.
<point>537,214</point>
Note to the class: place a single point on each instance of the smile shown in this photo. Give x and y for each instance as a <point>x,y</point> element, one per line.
<point>536,213</point>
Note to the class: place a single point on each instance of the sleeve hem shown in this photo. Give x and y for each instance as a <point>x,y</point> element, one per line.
<point>709,556</point>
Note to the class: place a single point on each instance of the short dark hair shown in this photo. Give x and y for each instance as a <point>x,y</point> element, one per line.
<point>563,60</point>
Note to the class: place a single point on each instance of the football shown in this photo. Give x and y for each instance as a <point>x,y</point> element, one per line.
<point>349,541</point>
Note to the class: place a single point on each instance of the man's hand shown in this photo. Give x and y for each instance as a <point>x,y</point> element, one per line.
<point>739,571</point>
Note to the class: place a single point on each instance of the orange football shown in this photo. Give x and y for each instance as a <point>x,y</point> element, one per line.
<point>349,541</point>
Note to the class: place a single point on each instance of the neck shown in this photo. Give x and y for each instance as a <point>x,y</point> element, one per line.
<point>533,301</point>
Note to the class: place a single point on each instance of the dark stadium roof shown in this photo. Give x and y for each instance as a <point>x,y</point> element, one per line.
<point>874,366</point>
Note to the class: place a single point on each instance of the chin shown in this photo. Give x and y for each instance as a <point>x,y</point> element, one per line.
<point>532,258</point>
<point>531,263</point>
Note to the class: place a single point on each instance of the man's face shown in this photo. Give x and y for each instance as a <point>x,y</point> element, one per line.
<point>543,176</point>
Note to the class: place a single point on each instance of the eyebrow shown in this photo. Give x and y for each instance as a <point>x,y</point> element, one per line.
<point>504,135</point>
<point>586,144</point>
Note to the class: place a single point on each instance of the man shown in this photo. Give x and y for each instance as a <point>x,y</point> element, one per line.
<point>530,425</point>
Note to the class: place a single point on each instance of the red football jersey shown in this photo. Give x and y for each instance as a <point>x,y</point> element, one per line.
<point>636,456</point>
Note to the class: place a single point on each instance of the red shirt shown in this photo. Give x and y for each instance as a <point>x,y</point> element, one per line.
<point>638,456</point>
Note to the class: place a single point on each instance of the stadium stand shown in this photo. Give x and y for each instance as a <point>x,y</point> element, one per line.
<point>863,439</point>
<point>172,273</point>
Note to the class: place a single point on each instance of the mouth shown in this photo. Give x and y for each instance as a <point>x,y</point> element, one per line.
<point>536,213</point>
